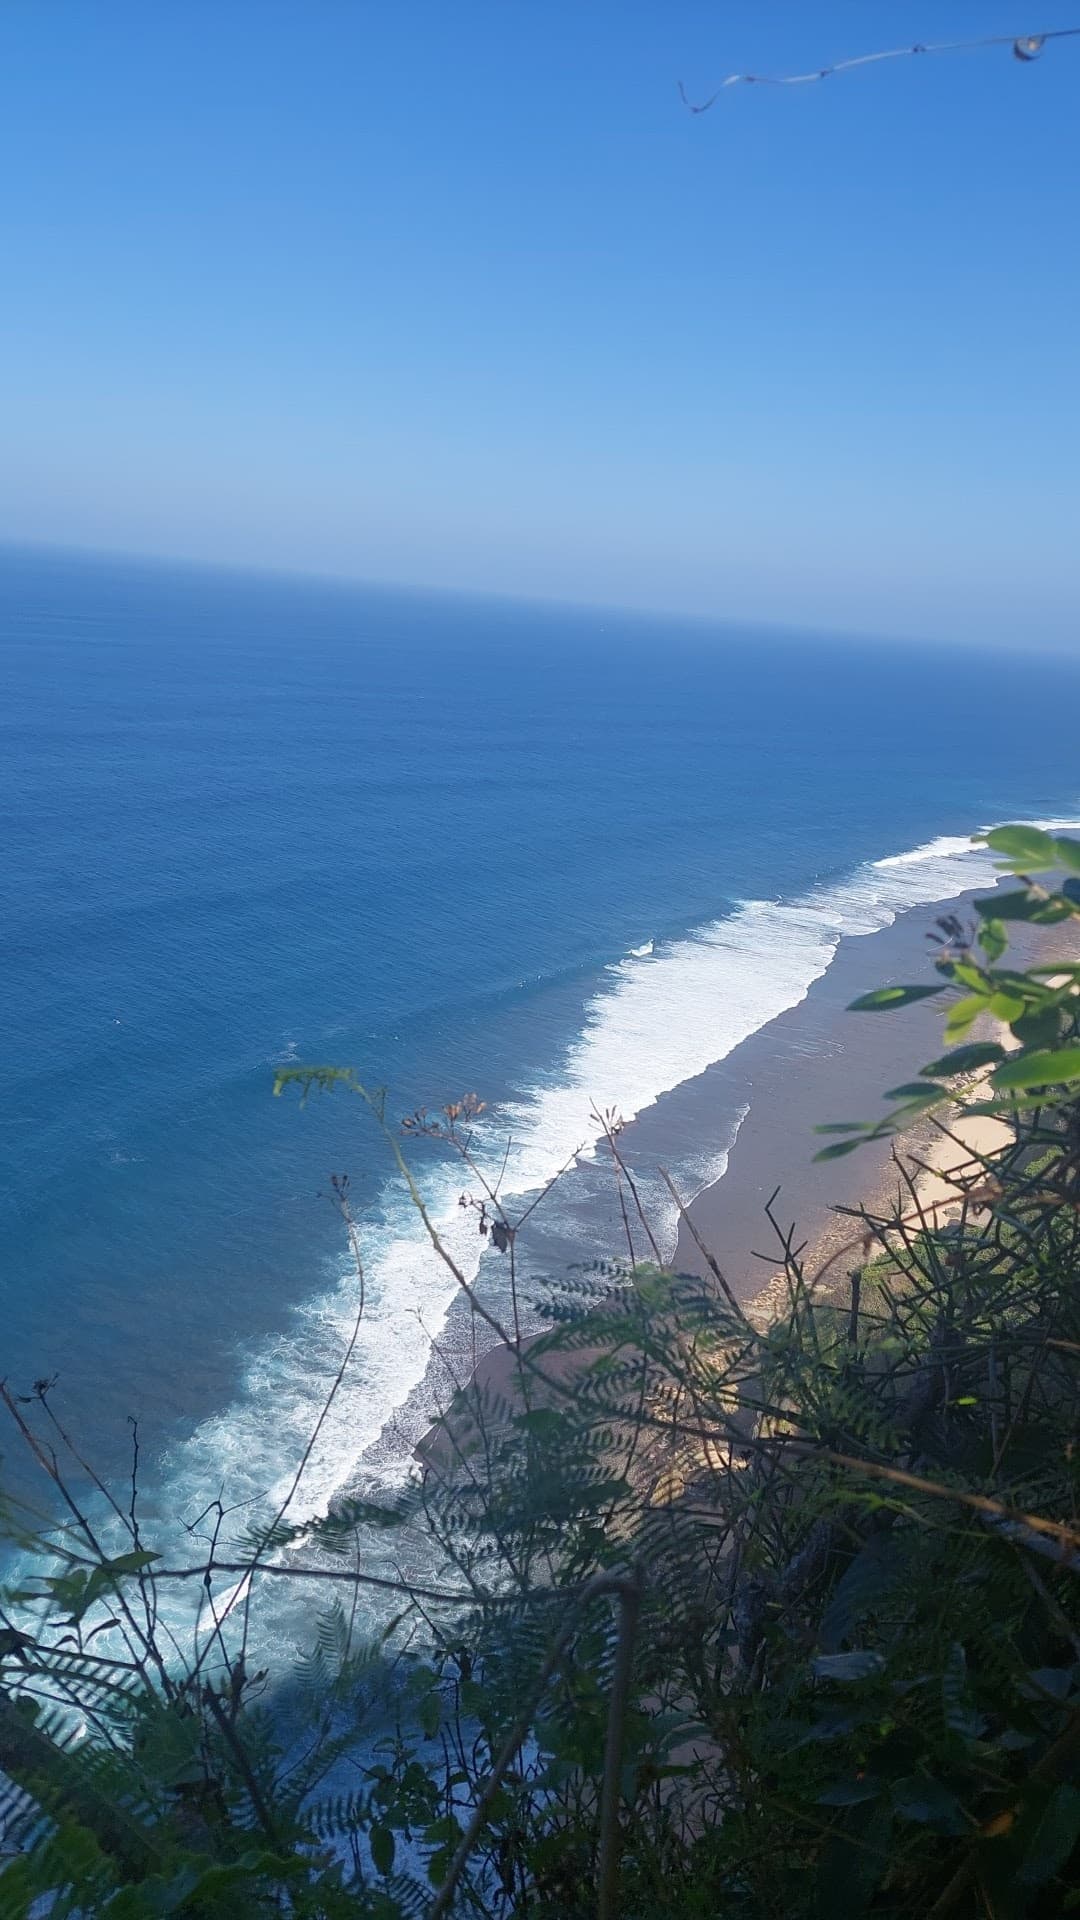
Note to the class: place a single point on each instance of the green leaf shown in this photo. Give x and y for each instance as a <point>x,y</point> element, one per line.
<point>979,1053</point>
<point>1023,985</point>
<point>187,1891</point>
<point>170,1749</point>
<point>473,1697</point>
<point>348,1514</point>
<point>841,1126</point>
<point>884,999</point>
<point>854,1860</point>
<point>1068,853</point>
<point>839,1148</point>
<point>383,1848</point>
<point>929,1803</point>
<point>917,1090</point>
<point>1054,1837</point>
<point>132,1562</point>
<point>1038,1028</point>
<point>968,975</point>
<point>1025,906</point>
<point>873,1573</point>
<point>444,1831</point>
<point>1057,1681</point>
<point>1023,849</point>
<point>958,1710</point>
<point>1041,1069</point>
<point>544,1422</point>
<point>77,1591</point>
<point>851,1792</point>
<point>439,1865</point>
<point>993,939</point>
<point>857,1665</point>
<point>1006,1006</point>
<point>964,1014</point>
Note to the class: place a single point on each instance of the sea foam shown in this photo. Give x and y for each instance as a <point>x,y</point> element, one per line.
<point>646,1029</point>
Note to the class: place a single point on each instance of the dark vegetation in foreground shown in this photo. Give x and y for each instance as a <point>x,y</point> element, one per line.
<point>737,1616</point>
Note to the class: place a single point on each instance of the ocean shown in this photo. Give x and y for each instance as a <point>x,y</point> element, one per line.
<point>556,856</point>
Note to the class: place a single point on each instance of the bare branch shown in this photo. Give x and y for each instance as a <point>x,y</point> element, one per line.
<point>1026,48</point>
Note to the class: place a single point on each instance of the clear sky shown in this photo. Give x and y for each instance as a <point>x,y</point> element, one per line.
<point>459,294</point>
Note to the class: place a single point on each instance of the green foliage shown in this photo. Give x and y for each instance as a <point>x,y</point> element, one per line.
<point>731,1617</point>
<point>1031,850</point>
<point>1039,1068</point>
<point>1039,1007</point>
<point>887,999</point>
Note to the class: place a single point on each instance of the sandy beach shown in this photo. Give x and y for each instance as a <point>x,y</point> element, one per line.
<point>820,1062</point>
<point>816,1062</point>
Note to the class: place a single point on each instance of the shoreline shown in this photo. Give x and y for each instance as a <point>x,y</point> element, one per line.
<point>815,1062</point>
<point>822,1063</point>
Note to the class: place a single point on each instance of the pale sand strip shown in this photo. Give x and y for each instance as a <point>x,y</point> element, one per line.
<point>952,1162</point>
<point>938,1162</point>
<point>933,1170</point>
<point>953,1158</point>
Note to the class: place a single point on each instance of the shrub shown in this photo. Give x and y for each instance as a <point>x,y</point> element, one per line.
<point>756,1619</point>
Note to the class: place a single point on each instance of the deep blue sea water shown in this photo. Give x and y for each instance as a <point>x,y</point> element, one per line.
<point>554,855</point>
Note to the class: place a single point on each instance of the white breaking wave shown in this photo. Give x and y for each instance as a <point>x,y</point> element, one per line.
<point>952,846</point>
<point>645,1031</point>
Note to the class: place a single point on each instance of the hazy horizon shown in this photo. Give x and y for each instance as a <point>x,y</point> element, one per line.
<point>473,304</point>
<point>648,615</point>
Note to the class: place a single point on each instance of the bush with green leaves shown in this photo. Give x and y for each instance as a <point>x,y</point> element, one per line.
<point>736,1616</point>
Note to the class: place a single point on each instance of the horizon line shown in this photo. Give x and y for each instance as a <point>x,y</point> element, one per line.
<point>345,582</point>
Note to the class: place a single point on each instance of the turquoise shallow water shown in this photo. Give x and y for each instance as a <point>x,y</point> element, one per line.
<point>551,854</point>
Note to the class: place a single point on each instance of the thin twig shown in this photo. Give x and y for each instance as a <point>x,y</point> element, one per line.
<point>1026,46</point>
<point>601,1583</point>
<point>341,1198</point>
<point>610,1789</point>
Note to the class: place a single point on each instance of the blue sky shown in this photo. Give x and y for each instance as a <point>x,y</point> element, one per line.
<point>461,295</point>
